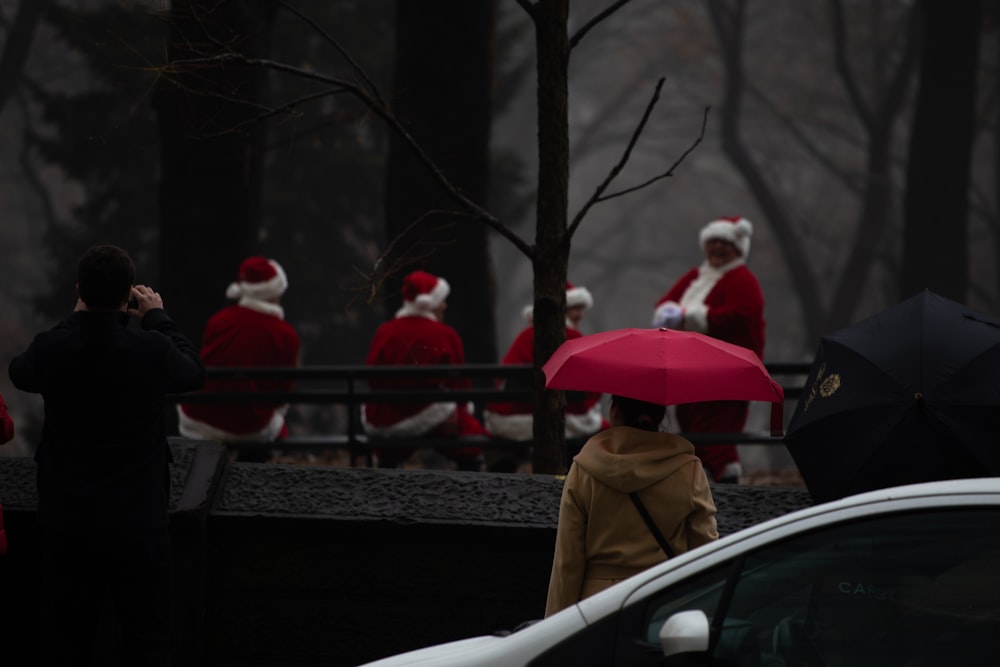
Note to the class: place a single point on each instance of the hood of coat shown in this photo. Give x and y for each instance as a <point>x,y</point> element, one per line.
<point>629,459</point>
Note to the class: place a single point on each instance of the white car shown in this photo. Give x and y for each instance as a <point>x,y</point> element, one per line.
<point>901,576</point>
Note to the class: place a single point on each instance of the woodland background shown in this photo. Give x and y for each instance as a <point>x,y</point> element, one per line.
<point>826,121</point>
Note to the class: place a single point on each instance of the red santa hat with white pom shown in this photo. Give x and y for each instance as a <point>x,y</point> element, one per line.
<point>259,279</point>
<point>423,293</point>
<point>735,229</point>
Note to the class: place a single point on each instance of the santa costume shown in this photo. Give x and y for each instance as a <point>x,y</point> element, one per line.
<point>514,420</point>
<point>416,337</point>
<point>253,332</point>
<point>724,302</point>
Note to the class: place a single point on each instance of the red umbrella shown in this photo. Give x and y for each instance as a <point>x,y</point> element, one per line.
<point>664,366</point>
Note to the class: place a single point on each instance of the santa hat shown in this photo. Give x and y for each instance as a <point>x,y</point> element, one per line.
<point>423,293</point>
<point>578,296</point>
<point>734,229</point>
<point>575,296</point>
<point>259,279</point>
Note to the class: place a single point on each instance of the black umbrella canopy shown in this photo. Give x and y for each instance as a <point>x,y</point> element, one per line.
<point>909,395</point>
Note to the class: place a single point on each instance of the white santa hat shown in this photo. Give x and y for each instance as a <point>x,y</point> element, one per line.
<point>575,296</point>
<point>259,279</point>
<point>423,293</point>
<point>735,229</point>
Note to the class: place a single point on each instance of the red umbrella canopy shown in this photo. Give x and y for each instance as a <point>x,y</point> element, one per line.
<point>662,366</point>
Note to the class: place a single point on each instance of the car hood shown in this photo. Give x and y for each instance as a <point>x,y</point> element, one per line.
<point>500,650</point>
<point>441,654</point>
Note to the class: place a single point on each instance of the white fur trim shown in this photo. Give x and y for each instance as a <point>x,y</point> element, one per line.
<point>696,319</point>
<point>421,423</point>
<point>732,469</point>
<point>426,304</point>
<point>693,299</point>
<point>697,291</point>
<point>410,309</point>
<point>435,297</point>
<point>520,427</point>
<point>199,430</point>
<point>738,233</point>
<point>265,291</point>
<point>512,427</point>
<point>265,307</point>
<point>585,424</point>
<point>579,296</point>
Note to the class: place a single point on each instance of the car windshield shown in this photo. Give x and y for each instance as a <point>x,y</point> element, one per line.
<point>921,586</point>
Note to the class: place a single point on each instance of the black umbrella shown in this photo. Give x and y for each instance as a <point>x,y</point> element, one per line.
<point>909,395</point>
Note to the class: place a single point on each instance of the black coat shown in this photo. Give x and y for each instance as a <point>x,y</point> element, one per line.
<point>103,458</point>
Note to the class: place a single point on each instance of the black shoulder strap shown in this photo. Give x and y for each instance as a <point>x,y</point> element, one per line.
<point>652,526</point>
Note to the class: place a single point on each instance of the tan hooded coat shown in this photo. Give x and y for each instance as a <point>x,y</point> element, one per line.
<point>601,537</point>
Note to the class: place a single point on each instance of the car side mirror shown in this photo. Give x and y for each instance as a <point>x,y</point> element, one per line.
<point>685,632</point>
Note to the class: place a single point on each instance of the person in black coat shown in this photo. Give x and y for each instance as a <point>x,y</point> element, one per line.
<point>103,461</point>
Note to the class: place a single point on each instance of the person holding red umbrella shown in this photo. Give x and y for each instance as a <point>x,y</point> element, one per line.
<point>723,299</point>
<point>633,497</point>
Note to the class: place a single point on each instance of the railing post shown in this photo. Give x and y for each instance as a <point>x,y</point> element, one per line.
<point>354,425</point>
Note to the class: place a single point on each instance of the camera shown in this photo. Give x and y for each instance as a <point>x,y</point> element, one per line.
<point>133,303</point>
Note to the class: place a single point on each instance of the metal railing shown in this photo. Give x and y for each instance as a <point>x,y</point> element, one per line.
<point>348,385</point>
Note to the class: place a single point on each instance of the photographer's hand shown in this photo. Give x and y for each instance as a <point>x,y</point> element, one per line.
<point>146,299</point>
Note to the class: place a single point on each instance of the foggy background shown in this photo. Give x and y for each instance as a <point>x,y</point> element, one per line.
<point>79,100</point>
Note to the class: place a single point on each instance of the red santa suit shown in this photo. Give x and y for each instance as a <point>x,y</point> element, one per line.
<point>725,302</point>
<point>416,337</point>
<point>514,420</point>
<point>251,333</point>
<point>6,423</point>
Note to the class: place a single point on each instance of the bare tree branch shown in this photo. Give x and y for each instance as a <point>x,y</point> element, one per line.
<point>821,156</point>
<point>376,106</point>
<point>287,108</point>
<point>599,195</point>
<point>669,172</point>
<point>589,25</point>
<point>528,7</point>
<point>372,88</point>
<point>388,252</point>
<point>615,170</point>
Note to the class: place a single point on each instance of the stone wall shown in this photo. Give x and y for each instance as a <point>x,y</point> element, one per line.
<point>297,565</point>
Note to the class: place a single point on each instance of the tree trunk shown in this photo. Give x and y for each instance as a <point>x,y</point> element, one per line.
<point>552,245</point>
<point>878,120</point>
<point>20,35</point>
<point>443,96</point>
<point>211,164</point>
<point>935,236</point>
